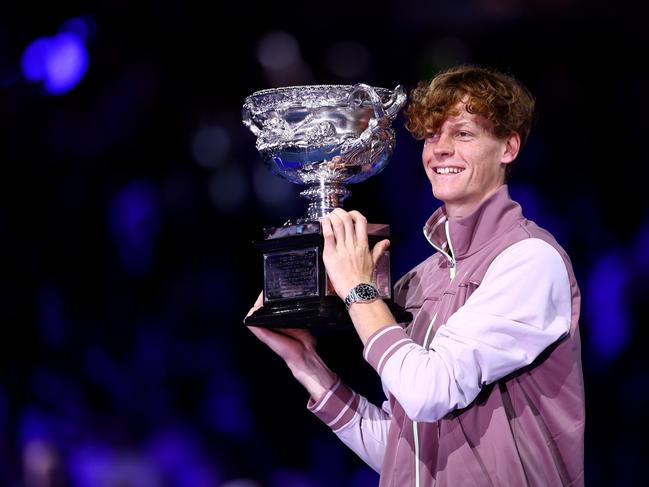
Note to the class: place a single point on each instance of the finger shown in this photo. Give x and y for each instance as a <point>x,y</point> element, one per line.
<point>257,331</point>
<point>328,233</point>
<point>379,249</point>
<point>268,337</point>
<point>348,224</point>
<point>282,343</point>
<point>338,228</point>
<point>301,334</point>
<point>360,225</point>
<point>258,304</point>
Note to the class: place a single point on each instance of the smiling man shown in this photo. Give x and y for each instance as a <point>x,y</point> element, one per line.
<point>484,386</point>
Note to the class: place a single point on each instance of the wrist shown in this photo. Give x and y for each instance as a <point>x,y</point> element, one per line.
<point>313,374</point>
<point>363,292</point>
<point>344,289</point>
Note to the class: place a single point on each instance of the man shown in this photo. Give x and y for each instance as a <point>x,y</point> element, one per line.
<point>485,385</point>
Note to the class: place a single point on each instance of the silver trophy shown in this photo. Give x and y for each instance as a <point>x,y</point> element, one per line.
<point>322,137</point>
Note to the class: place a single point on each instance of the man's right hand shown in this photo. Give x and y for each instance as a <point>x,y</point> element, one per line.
<point>289,343</point>
<point>296,346</point>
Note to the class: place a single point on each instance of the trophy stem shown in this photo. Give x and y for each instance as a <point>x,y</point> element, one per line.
<point>324,197</point>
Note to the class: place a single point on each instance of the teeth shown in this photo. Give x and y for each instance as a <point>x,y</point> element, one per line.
<point>448,170</point>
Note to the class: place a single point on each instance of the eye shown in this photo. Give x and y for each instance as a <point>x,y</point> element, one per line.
<point>431,138</point>
<point>464,134</point>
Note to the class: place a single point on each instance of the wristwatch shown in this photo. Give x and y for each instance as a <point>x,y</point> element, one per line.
<point>363,292</point>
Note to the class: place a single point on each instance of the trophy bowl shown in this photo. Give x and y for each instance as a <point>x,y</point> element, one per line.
<point>324,136</point>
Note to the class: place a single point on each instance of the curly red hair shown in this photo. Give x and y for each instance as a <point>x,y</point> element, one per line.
<point>498,97</point>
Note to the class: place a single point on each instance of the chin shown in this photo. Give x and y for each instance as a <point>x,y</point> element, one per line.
<point>441,194</point>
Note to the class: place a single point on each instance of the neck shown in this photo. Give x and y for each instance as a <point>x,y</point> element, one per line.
<point>458,210</point>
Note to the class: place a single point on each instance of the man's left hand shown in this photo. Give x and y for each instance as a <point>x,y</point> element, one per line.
<point>346,254</point>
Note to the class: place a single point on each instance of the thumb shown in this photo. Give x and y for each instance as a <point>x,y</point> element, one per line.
<point>258,304</point>
<point>379,249</point>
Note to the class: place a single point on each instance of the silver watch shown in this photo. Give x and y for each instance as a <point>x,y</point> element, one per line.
<point>362,292</point>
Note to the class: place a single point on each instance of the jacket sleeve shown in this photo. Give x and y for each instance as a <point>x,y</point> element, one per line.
<point>362,426</point>
<point>522,306</point>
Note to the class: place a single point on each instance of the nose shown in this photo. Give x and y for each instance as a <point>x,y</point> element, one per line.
<point>444,146</point>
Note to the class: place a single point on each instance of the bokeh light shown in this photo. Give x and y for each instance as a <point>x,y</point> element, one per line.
<point>134,222</point>
<point>228,188</point>
<point>279,54</point>
<point>59,62</point>
<point>606,308</point>
<point>278,51</point>
<point>210,146</point>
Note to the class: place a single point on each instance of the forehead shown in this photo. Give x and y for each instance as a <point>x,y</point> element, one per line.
<point>460,116</point>
<point>455,117</point>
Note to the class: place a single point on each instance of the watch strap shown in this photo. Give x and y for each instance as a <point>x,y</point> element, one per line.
<point>362,292</point>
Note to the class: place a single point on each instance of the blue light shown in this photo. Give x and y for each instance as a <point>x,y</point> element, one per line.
<point>84,27</point>
<point>67,63</point>
<point>34,425</point>
<point>286,477</point>
<point>605,307</point>
<point>134,222</point>
<point>228,413</point>
<point>364,477</point>
<point>60,62</point>
<point>33,60</point>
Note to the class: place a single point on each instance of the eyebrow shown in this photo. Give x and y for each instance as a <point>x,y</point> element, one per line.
<point>463,123</point>
<point>456,125</point>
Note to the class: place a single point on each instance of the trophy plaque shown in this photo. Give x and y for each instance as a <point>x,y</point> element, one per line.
<point>322,137</point>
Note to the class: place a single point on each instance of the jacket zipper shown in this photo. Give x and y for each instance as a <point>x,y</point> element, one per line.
<point>450,256</point>
<point>450,248</point>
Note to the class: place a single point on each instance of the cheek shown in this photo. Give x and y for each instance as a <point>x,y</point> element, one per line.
<point>485,166</point>
<point>485,174</point>
<point>425,158</point>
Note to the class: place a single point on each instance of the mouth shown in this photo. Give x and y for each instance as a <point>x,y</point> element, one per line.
<point>448,170</point>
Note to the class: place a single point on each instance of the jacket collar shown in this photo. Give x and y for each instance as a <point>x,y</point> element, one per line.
<point>470,233</point>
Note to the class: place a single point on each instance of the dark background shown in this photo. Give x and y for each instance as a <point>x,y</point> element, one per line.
<point>130,199</point>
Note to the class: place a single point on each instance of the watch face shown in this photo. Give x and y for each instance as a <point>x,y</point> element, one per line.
<point>366,292</point>
<point>362,292</point>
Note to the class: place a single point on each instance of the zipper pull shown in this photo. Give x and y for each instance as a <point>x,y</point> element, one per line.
<point>451,253</point>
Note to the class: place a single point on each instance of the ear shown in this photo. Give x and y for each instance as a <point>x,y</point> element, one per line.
<point>511,148</point>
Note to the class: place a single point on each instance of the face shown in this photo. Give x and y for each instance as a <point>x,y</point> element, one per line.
<point>465,162</point>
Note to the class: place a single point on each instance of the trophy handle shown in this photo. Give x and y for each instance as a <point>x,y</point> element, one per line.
<point>381,114</point>
<point>246,116</point>
<point>396,102</point>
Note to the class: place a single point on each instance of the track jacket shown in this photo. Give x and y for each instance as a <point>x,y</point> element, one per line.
<point>485,385</point>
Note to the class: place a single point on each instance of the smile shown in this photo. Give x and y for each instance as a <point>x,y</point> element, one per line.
<point>448,170</point>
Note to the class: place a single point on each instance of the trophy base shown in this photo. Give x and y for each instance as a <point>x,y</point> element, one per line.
<point>326,313</point>
<point>297,290</point>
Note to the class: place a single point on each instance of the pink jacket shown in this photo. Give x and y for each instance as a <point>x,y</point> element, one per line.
<point>485,385</point>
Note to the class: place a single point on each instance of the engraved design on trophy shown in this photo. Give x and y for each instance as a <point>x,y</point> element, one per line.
<point>322,137</point>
